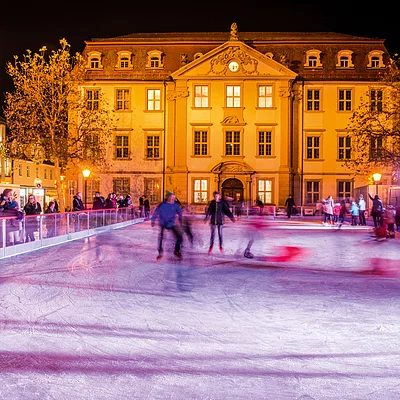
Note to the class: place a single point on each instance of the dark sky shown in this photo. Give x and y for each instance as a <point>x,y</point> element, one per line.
<point>25,27</point>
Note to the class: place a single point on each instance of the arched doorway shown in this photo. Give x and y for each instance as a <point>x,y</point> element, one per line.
<point>233,188</point>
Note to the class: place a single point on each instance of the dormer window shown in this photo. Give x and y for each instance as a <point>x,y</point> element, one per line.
<point>124,60</point>
<point>269,55</point>
<point>154,59</point>
<point>197,55</point>
<point>344,59</point>
<point>94,60</point>
<point>375,59</point>
<point>313,59</point>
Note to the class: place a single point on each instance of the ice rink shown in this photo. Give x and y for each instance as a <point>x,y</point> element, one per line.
<point>315,315</point>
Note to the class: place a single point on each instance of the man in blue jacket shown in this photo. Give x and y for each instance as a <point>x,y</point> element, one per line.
<point>166,213</point>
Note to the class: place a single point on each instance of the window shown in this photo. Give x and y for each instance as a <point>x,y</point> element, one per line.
<point>121,185</point>
<point>94,63</point>
<point>92,186</point>
<point>313,59</point>
<point>37,172</point>
<point>51,174</point>
<point>45,174</point>
<point>201,96</point>
<point>94,60</point>
<point>153,99</point>
<point>376,148</point>
<point>343,189</point>
<point>376,98</point>
<point>28,171</point>
<point>265,96</point>
<point>152,187</point>
<point>264,190</point>
<point>121,147</point>
<point>345,100</point>
<point>124,60</point>
<point>200,142</point>
<point>312,192</point>
<point>375,59</point>
<point>313,143</point>
<point>344,59</point>
<point>232,143</point>
<point>154,59</point>
<point>153,146</point>
<point>92,99</point>
<point>20,169</point>
<point>72,187</point>
<point>264,143</point>
<point>313,99</point>
<point>344,148</point>
<point>233,98</point>
<point>122,101</point>
<point>200,191</point>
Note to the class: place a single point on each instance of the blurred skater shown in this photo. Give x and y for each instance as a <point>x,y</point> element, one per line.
<point>166,212</point>
<point>216,211</point>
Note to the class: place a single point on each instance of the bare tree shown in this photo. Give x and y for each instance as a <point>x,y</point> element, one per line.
<point>374,129</point>
<point>49,116</point>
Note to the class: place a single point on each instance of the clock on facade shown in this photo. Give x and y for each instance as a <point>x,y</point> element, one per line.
<point>233,66</point>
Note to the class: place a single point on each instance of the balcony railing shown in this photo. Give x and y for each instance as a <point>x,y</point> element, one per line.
<point>37,231</point>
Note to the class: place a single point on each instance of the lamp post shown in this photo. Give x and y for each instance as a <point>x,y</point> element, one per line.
<point>377,178</point>
<point>86,174</point>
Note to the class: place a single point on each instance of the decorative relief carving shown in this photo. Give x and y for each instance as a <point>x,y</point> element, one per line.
<point>219,64</point>
<point>184,59</point>
<point>284,92</point>
<point>233,168</point>
<point>231,120</point>
<point>175,94</point>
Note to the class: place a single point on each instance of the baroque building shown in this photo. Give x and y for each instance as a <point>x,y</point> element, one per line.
<point>252,114</point>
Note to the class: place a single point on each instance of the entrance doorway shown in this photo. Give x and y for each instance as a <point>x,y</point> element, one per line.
<point>232,188</point>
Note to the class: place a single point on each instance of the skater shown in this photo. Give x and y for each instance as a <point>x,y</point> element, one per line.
<point>216,210</point>
<point>377,209</point>
<point>362,206</point>
<point>354,213</point>
<point>289,204</point>
<point>166,213</point>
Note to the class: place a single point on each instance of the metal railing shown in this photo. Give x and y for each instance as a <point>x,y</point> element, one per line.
<point>37,231</point>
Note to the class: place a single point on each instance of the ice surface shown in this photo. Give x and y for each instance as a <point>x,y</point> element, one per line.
<point>100,318</point>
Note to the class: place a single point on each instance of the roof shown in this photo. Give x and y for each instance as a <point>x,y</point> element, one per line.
<point>315,37</point>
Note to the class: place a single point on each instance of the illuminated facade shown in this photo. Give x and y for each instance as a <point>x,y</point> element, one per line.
<point>252,114</point>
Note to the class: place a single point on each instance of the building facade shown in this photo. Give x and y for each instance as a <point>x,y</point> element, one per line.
<point>256,115</point>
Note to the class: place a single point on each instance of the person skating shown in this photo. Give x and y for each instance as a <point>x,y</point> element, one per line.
<point>216,211</point>
<point>166,212</point>
<point>289,203</point>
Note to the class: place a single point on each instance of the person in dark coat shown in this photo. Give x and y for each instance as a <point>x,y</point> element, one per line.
<point>50,221</point>
<point>289,204</point>
<point>216,211</point>
<point>166,213</point>
<point>32,207</point>
<point>146,206</point>
<point>99,202</point>
<point>77,203</point>
<point>377,210</point>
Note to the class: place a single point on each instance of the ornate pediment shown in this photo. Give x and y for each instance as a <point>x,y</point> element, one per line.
<point>232,166</point>
<point>247,65</point>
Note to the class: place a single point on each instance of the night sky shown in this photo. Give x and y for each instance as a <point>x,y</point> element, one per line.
<point>33,26</point>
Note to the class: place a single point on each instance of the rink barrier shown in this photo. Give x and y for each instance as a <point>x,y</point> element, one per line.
<point>267,210</point>
<point>57,228</point>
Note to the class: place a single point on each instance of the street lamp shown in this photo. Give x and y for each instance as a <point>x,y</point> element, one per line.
<point>377,178</point>
<point>86,174</point>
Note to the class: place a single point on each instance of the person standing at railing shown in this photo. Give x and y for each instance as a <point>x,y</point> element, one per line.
<point>51,220</point>
<point>77,205</point>
<point>9,208</point>
<point>32,207</point>
<point>146,206</point>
